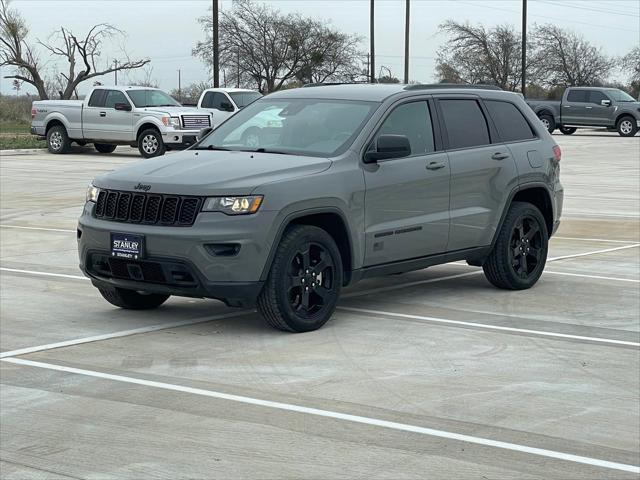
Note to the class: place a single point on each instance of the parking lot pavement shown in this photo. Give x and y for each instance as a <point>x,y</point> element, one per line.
<point>428,374</point>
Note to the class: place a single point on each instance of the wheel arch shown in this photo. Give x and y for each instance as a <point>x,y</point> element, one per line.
<point>624,114</point>
<point>52,122</point>
<point>330,219</point>
<point>146,125</point>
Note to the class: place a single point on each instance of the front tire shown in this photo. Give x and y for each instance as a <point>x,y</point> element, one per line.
<point>150,143</point>
<point>57,140</point>
<point>520,252</point>
<point>104,148</point>
<point>305,280</point>
<point>627,126</point>
<point>548,121</point>
<point>132,300</point>
<point>568,130</point>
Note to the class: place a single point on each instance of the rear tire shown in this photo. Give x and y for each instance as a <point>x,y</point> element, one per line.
<point>520,252</point>
<point>548,121</point>
<point>104,148</point>
<point>568,130</point>
<point>132,300</point>
<point>627,126</point>
<point>150,143</point>
<point>304,283</point>
<point>57,140</point>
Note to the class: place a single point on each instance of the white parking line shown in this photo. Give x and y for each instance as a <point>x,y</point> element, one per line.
<point>335,415</point>
<point>123,333</point>
<point>42,274</point>
<point>597,277</point>
<point>489,326</point>
<point>38,228</point>
<point>605,240</point>
<point>595,252</point>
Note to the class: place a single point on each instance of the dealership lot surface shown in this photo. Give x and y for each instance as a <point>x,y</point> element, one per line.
<point>431,374</point>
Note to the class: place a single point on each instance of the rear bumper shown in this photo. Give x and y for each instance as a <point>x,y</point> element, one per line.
<point>39,131</point>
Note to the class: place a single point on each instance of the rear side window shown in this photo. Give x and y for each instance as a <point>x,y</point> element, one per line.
<point>577,96</point>
<point>596,97</point>
<point>511,124</point>
<point>113,97</point>
<point>465,123</point>
<point>414,121</point>
<point>214,100</point>
<point>97,98</point>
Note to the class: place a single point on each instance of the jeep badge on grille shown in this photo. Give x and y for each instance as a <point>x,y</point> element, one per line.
<point>142,186</point>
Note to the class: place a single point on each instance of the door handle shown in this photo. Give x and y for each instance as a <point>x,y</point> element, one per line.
<point>499,156</point>
<point>588,107</point>
<point>435,165</point>
<point>567,106</point>
<point>103,114</point>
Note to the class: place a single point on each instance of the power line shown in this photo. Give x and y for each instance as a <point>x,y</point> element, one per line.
<point>590,9</point>
<point>555,19</point>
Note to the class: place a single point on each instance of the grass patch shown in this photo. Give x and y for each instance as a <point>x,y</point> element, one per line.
<point>14,127</point>
<point>12,142</point>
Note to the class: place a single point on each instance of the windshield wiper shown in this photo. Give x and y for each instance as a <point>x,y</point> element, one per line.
<point>267,150</point>
<point>212,147</point>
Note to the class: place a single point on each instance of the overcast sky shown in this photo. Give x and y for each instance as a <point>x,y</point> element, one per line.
<point>166,30</point>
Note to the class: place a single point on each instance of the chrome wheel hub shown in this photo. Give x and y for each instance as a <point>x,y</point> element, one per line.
<point>150,144</point>
<point>626,127</point>
<point>55,140</point>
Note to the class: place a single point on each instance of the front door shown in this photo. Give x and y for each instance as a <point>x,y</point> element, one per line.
<point>407,199</point>
<point>599,114</point>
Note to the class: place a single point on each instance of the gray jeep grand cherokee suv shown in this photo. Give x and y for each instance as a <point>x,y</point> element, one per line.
<point>334,184</point>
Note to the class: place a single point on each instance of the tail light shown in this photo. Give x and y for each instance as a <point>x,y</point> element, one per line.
<point>557,153</point>
<point>33,113</point>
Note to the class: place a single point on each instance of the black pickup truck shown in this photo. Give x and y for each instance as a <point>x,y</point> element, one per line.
<point>590,107</point>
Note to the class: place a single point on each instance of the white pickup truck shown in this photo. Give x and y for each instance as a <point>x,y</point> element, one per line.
<point>225,102</point>
<point>109,116</point>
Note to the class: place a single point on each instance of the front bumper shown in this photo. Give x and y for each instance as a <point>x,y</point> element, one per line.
<point>180,138</point>
<point>235,277</point>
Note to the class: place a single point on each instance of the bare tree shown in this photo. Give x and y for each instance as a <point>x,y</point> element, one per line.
<point>190,94</point>
<point>564,58</point>
<point>146,80</point>
<point>81,53</point>
<point>631,64</point>
<point>265,49</point>
<point>475,54</point>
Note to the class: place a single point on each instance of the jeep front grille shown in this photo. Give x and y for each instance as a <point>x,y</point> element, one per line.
<point>195,122</point>
<point>147,208</point>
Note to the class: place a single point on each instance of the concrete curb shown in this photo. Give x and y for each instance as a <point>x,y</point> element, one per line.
<point>23,151</point>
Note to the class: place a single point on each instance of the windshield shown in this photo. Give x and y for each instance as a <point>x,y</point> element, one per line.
<point>620,96</point>
<point>151,98</point>
<point>322,128</point>
<point>242,99</point>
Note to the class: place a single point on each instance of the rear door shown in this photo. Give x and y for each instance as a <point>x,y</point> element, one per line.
<point>117,124</point>
<point>92,120</point>
<point>483,171</point>
<point>407,199</point>
<point>573,108</point>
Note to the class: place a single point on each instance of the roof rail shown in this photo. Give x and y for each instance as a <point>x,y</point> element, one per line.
<point>424,86</point>
<point>324,84</point>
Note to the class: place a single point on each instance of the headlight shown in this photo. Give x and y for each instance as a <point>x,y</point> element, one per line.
<point>233,205</point>
<point>171,122</point>
<point>92,193</point>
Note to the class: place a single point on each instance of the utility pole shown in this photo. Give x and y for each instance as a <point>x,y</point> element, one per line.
<point>238,67</point>
<point>179,86</point>
<point>524,47</point>
<point>368,71</point>
<point>372,45</point>
<point>406,42</point>
<point>216,55</point>
<point>116,71</point>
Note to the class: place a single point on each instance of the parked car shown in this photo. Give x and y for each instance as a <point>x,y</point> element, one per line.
<point>225,102</point>
<point>109,116</point>
<point>359,181</point>
<point>590,107</point>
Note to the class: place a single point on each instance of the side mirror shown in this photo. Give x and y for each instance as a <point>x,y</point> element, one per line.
<point>605,103</point>
<point>125,107</point>
<point>226,106</point>
<point>389,146</point>
<point>203,133</point>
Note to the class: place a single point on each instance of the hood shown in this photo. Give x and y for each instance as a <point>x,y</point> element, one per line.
<point>176,111</point>
<point>210,172</point>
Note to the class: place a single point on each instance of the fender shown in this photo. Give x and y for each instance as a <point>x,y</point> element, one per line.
<point>290,217</point>
<point>146,119</point>
<point>51,116</point>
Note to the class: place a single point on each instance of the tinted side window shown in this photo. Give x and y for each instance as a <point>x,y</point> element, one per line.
<point>214,100</point>
<point>596,97</point>
<point>577,96</point>
<point>113,97</point>
<point>511,124</point>
<point>465,123</point>
<point>414,121</point>
<point>97,98</point>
